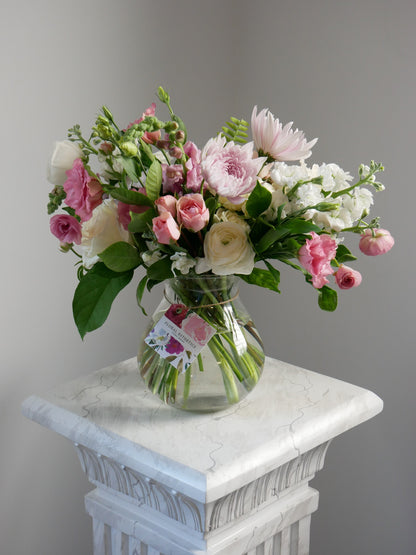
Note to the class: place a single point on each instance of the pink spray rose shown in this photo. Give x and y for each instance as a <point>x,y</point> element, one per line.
<point>316,255</point>
<point>193,166</point>
<point>166,203</point>
<point>379,243</point>
<point>347,277</point>
<point>165,228</point>
<point>192,212</point>
<point>66,228</point>
<point>83,192</point>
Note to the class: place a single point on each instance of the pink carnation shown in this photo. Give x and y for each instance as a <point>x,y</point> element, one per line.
<point>165,228</point>
<point>83,192</point>
<point>379,243</point>
<point>66,228</point>
<point>229,169</point>
<point>192,212</point>
<point>346,277</point>
<point>193,166</point>
<point>316,255</point>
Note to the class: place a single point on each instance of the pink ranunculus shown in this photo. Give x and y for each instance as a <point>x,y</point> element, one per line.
<point>230,169</point>
<point>379,243</point>
<point>192,212</point>
<point>83,192</point>
<point>172,178</point>
<point>316,255</point>
<point>281,143</point>
<point>346,277</point>
<point>167,203</point>
<point>165,228</point>
<point>193,166</point>
<point>125,209</point>
<point>197,329</point>
<point>66,228</point>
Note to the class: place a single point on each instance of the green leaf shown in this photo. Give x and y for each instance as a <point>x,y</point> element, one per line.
<point>258,201</point>
<point>160,270</point>
<point>271,237</point>
<point>94,296</point>
<point>275,273</point>
<point>262,278</point>
<point>129,196</point>
<point>147,153</point>
<point>344,255</point>
<point>131,168</point>
<point>299,226</point>
<point>327,299</point>
<point>154,180</point>
<point>139,293</point>
<point>141,222</point>
<point>120,257</point>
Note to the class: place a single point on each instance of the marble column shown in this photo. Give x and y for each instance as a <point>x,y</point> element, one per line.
<point>235,482</point>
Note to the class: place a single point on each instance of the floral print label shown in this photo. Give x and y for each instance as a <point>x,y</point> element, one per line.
<point>179,336</point>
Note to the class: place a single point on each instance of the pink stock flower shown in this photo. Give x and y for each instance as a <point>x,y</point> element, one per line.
<point>346,277</point>
<point>172,178</point>
<point>192,212</point>
<point>230,169</point>
<point>193,166</point>
<point>165,228</point>
<point>379,243</point>
<point>83,192</point>
<point>125,209</point>
<point>66,228</point>
<point>281,143</point>
<point>316,255</point>
<point>166,203</point>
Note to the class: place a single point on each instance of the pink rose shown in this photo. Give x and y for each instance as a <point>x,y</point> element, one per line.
<point>379,243</point>
<point>193,166</point>
<point>347,277</point>
<point>316,255</point>
<point>66,228</point>
<point>197,329</point>
<point>165,228</point>
<point>83,192</point>
<point>125,209</point>
<point>192,212</point>
<point>166,203</point>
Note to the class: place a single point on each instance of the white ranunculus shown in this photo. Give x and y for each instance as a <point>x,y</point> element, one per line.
<point>224,215</point>
<point>61,160</point>
<point>100,231</point>
<point>227,249</point>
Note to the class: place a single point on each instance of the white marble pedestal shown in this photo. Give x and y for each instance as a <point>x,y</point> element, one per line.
<point>175,483</point>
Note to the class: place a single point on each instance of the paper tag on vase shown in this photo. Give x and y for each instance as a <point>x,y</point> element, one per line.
<point>179,336</point>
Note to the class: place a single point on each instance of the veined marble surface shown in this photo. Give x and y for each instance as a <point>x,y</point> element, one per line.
<point>206,456</point>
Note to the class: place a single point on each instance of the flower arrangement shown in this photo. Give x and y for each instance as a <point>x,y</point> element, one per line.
<point>147,197</point>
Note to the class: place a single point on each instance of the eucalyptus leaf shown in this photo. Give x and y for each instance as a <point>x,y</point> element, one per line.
<point>120,257</point>
<point>94,296</point>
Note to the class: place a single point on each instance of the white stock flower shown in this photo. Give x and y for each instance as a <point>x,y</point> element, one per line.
<point>359,202</point>
<point>334,178</point>
<point>287,176</point>
<point>150,257</point>
<point>182,262</point>
<point>100,231</point>
<point>62,159</point>
<point>227,249</point>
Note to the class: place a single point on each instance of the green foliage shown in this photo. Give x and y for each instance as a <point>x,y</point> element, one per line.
<point>131,167</point>
<point>139,292</point>
<point>129,196</point>
<point>160,270</point>
<point>154,180</point>
<point>258,201</point>
<point>121,257</point>
<point>344,255</point>
<point>262,278</point>
<point>235,130</point>
<point>327,299</point>
<point>94,296</point>
<point>141,222</point>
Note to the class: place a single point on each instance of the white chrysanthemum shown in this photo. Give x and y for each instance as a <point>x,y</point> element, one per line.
<point>287,176</point>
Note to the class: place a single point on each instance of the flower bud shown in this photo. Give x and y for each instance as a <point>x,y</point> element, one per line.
<point>179,136</point>
<point>107,113</point>
<point>128,148</point>
<point>176,152</point>
<point>375,241</point>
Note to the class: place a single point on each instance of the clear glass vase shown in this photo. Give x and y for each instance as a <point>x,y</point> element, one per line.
<point>201,351</point>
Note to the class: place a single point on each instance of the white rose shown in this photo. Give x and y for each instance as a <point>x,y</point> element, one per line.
<point>227,250</point>
<point>100,231</point>
<point>62,159</point>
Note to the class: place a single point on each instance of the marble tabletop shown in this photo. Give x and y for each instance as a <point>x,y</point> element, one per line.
<point>291,411</point>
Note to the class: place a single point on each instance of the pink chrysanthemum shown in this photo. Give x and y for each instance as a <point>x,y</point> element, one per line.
<point>281,143</point>
<point>229,169</point>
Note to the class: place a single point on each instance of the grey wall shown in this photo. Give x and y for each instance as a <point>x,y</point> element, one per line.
<point>343,71</point>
